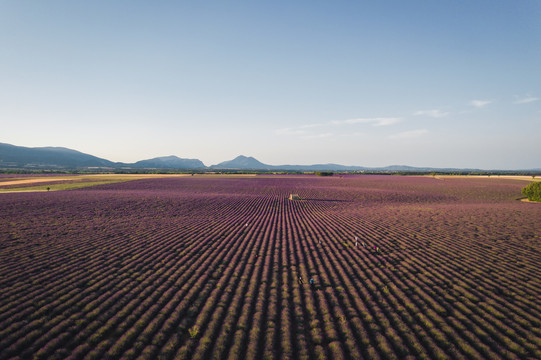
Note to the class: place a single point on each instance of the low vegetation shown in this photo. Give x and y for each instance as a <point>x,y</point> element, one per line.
<point>366,267</point>
<point>533,191</point>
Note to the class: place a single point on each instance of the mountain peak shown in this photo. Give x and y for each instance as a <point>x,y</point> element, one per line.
<point>242,162</point>
<point>170,162</point>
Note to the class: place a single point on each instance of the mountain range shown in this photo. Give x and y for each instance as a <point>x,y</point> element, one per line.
<point>59,158</point>
<point>12,156</point>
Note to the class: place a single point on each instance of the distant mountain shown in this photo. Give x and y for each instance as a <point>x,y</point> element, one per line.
<point>48,157</point>
<point>249,163</point>
<point>20,157</point>
<point>170,162</point>
<point>17,157</point>
<point>242,163</point>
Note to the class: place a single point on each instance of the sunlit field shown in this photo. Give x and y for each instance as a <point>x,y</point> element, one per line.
<point>205,267</point>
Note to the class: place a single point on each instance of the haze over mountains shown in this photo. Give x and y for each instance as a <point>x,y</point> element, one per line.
<point>58,158</point>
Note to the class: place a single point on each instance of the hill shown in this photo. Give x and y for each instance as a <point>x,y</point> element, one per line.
<point>55,158</point>
<point>47,157</point>
<point>170,162</point>
<point>242,163</point>
<point>59,158</point>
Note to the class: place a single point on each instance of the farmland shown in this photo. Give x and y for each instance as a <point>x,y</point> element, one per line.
<point>211,268</point>
<point>67,182</point>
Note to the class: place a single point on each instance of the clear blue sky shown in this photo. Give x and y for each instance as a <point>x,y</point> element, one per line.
<point>421,83</point>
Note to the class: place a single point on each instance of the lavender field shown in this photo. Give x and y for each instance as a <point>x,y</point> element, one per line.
<point>220,268</point>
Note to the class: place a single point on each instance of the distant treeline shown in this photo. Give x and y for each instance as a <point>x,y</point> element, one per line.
<point>266,172</point>
<point>324,173</point>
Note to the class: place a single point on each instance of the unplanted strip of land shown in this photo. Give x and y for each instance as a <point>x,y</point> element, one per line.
<point>68,182</point>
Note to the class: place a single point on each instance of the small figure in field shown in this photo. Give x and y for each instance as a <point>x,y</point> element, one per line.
<point>246,224</point>
<point>312,282</point>
<point>364,245</point>
<point>377,250</point>
<point>300,279</point>
<point>356,241</point>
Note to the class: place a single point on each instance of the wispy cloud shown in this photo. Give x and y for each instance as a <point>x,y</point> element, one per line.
<point>304,130</point>
<point>310,126</point>
<point>431,113</point>
<point>480,103</point>
<point>380,121</point>
<point>409,134</point>
<point>290,131</point>
<point>297,130</point>
<point>385,121</point>
<point>526,100</point>
<point>318,136</point>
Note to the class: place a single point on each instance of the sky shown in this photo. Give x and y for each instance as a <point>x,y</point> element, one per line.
<point>420,83</point>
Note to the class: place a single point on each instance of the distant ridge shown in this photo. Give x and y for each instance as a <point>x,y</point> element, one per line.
<point>170,162</point>
<point>55,158</point>
<point>47,157</point>
<point>59,158</point>
<point>249,163</point>
<point>242,162</point>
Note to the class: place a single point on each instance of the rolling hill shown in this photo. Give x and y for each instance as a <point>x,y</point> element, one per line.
<point>170,162</point>
<point>47,157</point>
<point>60,158</point>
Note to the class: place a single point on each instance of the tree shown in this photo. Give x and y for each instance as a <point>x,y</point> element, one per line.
<point>533,191</point>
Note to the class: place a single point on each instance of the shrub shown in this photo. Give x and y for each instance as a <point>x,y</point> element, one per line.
<point>533,191</point>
